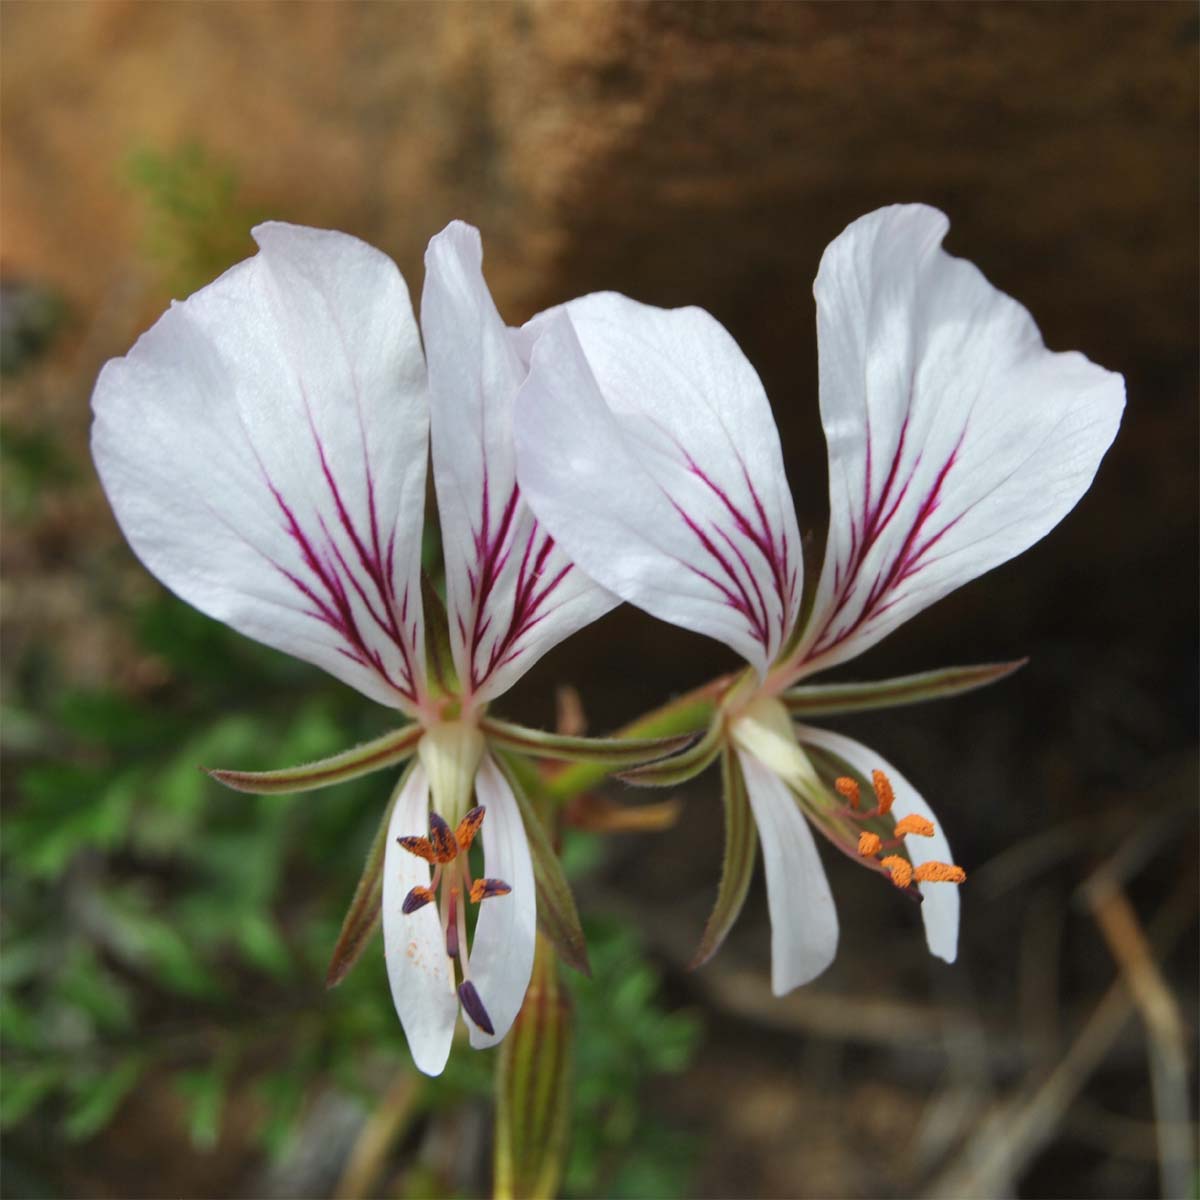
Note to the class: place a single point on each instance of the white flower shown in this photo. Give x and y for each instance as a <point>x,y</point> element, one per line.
<point>264,449</point>
<point>645,444</point>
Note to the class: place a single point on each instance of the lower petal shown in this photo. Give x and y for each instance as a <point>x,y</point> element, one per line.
<point>940,902</point>
<point>421,976</point>
<point>502,954</point>
<point>804,925</point>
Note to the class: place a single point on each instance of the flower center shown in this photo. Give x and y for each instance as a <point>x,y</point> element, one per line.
<point>904,873</point>
<point>448,852</point>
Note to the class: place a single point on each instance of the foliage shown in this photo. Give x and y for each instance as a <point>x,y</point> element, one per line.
<point>160,928</point>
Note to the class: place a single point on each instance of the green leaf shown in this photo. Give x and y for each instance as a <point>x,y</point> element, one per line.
<point>24,1089</point>
<point>670,772</point>
<point>97,1097</point>
<point>363,914</point>
<point>558,918</point>
<point>741,845</point>
<point>828,699</point>
<point>383,752</point>
<point>611,752</point>
<point>261,943</point>
<point>533,1082</point>
<point>203,1092</point>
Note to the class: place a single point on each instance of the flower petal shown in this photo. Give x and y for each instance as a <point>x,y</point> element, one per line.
<point>956,439</point>
<point>421,975</point>
<point>662,474</point>
<point>512,593</point>
<point>263,447</point>
<point>804,925</point>
<point>505,935</point>
<point>939,908</point>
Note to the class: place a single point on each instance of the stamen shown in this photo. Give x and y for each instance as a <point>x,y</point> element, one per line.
<point>940,872</point>
<point>445,848</point>
<point>452,924</point>
<point>848,788</point>
<point>869,844</point>
<point>914,824</point>
<point>473,1006</point>
<point>468,827</point>
<point>421,847</point>
<point>485,889</point>
<point>417,898</point>
<point>900,868</point>
<point>883,791</point>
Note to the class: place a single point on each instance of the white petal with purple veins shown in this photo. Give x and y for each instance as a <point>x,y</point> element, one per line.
<point>804,924</point>
<point>420,974</point>
<point>956,439</point>
<point>505,936</point>
<point>939,909</point>
<point>263,447</point>
<point>662,476</point>
<point>512,593</point>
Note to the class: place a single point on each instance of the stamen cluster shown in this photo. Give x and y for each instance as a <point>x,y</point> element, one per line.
<point>448,851</point>
<point>903,873</point>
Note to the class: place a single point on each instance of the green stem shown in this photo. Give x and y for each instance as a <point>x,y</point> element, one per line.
<point>688,713</point>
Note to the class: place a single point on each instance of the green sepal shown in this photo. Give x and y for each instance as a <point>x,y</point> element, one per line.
<point>669,772</point>
<point>741,846</point>
<point>362,917</point>
<point>439,656</point>
<point>533,1083</point>
<point>828,699</point>
<point>384,751</point>
<point>557,916</point>
<point>611,752</point>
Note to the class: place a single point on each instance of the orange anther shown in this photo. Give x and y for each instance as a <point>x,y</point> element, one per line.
<point>900,868</point>
<point>914,824</point>
<point>848,788</point>
<point>468,827</point>
<point>940,872</point>
<point>869,844</point>
<point>883,791</point>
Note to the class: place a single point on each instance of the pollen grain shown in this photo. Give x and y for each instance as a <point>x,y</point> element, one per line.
<point>869,844</point>
<point>940,872</point>
<point>848,788</point>
<point>914,824</point>
<point>883,791</point>
<point>900,869</point>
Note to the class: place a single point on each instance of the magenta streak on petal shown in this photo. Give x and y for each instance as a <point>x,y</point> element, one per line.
<point>736,596</point>
<point>493,551</point>
<point>910,558</point>
<point>775,553</point>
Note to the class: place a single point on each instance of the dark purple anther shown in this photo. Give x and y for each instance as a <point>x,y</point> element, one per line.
<point>417,898</point>
<point>473,1006</point>
<point>442,838</point>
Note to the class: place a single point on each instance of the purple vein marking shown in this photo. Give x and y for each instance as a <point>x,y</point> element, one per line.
<point>766,624</point>
<point>531,591</point>
<point>330,573</point>
<point>908,560</point>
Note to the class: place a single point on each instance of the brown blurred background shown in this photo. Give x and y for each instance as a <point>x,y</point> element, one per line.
<point>705,154</point>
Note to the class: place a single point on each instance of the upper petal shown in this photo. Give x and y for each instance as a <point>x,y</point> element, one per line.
<point>646,444</point>
<point>512,593</point>
<point>956,439</point>
<point>263,447</point>
<point>939,908</point>
<point>505,935</point>
<point>420,973</point>
<point>804,925</point>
